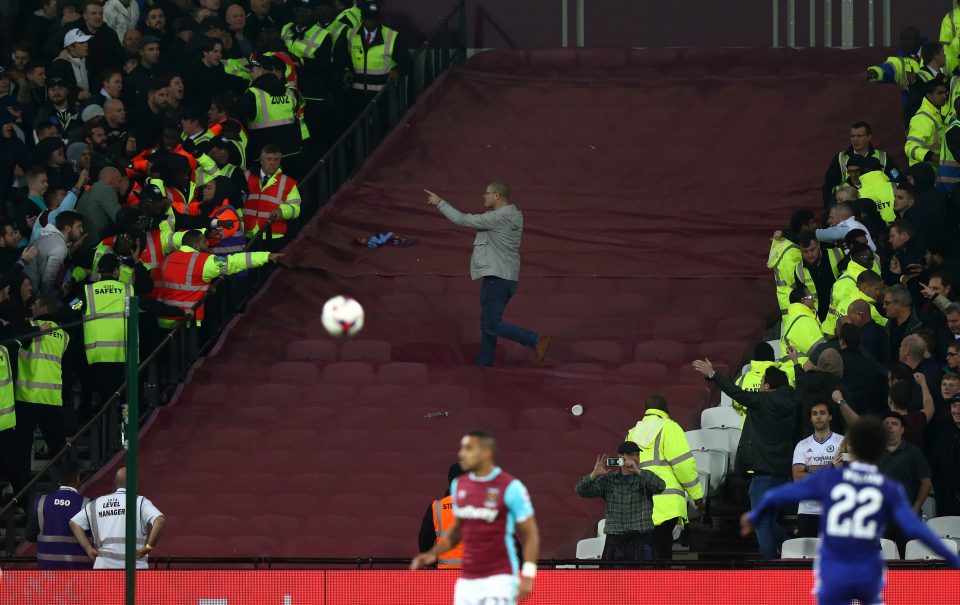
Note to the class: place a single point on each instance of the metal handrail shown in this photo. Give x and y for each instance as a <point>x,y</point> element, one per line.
<point>183,323</point>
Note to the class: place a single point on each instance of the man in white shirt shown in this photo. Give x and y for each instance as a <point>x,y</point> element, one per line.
<point>812,454</point>
<point>841,222</point>
<point>105,518</point>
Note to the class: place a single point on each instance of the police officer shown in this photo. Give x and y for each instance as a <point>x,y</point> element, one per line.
<point>437,521</point>
<point>664,451</point>
<point>105,518</point>
<point>49,523</point>
<point>271,109</point>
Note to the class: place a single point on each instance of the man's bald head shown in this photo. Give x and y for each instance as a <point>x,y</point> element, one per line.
<point>858,312</point>
<point>121,478</point>
<point>109,176</point>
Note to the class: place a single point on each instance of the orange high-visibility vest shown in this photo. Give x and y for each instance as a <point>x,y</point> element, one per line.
<point>261,203</point>
<point>179,281</point>
<point>180,204</point>
<point>442,522</point>
<point>152,253</point>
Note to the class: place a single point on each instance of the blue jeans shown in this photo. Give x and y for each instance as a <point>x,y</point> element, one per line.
<point>769,533</point>
<point>495,292</point>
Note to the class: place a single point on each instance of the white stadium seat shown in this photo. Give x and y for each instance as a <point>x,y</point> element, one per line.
<point>591,548</point>
<point>945,527</point>
<point>725,401</point>
<point>916,550</point>
<point>889,550</point>
<point>600,526</point>
<point>714,463</point>
<point>929,508</point>
<point>720,418</point>
<point>777,352</point>
<point>718,440</point>
<point>800,548</point>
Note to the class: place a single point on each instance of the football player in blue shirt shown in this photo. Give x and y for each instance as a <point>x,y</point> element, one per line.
<point>857,503</point>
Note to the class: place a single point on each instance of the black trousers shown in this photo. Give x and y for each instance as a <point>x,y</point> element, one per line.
<point>662,539</point>
<point>51,419</point>
<point>100,382</point>
<point>11,463</point>
<point>808,526</point>
<point>631,546</point>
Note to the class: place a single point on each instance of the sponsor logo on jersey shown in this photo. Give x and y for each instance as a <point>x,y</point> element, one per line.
<point>477,513</point>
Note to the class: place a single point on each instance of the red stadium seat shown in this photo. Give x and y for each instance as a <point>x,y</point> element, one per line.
<point>730,352</point>
<point>684,329</point>
<point>604,351</point>
<point>668,351</point>
<point>620,395</point>
<point>644,369</point>
<point>365,350</point>
<point>311,350</point>
<point>382,393</point>
<point>348,372</point>
<point>402,371</point>
<point>294,372</point>
<point>747,328</point>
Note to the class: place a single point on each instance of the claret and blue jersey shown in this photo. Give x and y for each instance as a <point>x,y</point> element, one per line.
<point>857,503</point>
<point>489,509</point>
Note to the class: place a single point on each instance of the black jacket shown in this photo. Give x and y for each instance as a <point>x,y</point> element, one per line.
<point>864,383</point>
<point>771,430</point>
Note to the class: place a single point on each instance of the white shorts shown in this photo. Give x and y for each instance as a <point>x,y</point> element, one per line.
<point>493,590</point>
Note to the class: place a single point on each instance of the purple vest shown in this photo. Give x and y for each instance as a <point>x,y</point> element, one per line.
<point>57,548</point>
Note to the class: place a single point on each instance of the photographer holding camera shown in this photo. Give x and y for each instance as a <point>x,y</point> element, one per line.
<point>628,491</point>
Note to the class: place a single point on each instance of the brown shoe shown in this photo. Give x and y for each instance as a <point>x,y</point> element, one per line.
<point>540,350</point>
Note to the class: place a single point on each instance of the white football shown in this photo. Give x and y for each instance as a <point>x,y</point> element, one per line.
<point>342,316</point>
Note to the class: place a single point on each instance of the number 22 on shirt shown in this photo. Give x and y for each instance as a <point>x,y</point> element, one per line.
<point>864,502</point>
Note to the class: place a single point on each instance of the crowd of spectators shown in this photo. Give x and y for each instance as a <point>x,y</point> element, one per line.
<point>138,134</point>
<point>870,323</point>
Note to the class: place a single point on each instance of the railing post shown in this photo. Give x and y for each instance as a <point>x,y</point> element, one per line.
<point>791,23</point>
<point>813,23</point>
<point>10,544</point>
<point>871,24</point>
<point>886,24</point>
<point>133,428</point>
<point>775,35</point>
<point>564,23</point>
<point>846,23</point>
<point>828,23</point>
<point>581,25</point>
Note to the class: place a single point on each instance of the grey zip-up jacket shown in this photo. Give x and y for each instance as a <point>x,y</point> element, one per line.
<point>52,253</point>
<point>496,249</point>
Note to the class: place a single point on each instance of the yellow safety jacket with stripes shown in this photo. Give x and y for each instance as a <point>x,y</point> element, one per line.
<point>105,321</point>
<point>923,135</point>
<point>876,185</point>
<point>664,451</point>
<point>40,368</point>
<point>801,328</point>
<point>843,158</point>
<point>372,66</point>
<point>949,173</point>
<point>783,259</point>
<point>843,289</point>
<point>8,414</point>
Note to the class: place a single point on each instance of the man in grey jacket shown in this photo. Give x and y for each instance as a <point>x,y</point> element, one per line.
<point>496,259</point>
<point>49,271</point>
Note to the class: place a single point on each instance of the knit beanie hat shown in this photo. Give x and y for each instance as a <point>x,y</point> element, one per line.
<point>830,362</point>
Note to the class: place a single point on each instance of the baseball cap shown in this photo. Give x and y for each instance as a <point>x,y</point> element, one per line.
<point>148,40</point>
<point>953,400</point>
<point>3,71</point>
<point>628,447</point>
<point>370,9</point>
<point>221,142</point>
<point>55,81</point>
<point>91,112</point>
<point>74,36</point>
<point>270,63</point>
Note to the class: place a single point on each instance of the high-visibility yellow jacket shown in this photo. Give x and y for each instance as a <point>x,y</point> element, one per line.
<point>876,185</point>
<point>950,26</point>
<point>783,258</point>
<point>923,135</point>
<point>801,328</point>
<point>843,289</point>
<point>665,452</point>
<point>8,413</point>
<point>895,70</point>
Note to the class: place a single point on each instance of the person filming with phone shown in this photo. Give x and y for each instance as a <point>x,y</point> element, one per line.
<point>628,491</point>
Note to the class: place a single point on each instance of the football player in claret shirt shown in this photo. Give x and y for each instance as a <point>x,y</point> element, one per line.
<point>857,502</point>
<point>488,504</point>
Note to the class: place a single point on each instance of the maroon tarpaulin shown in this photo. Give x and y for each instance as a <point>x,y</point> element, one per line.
<point>650,182</point>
